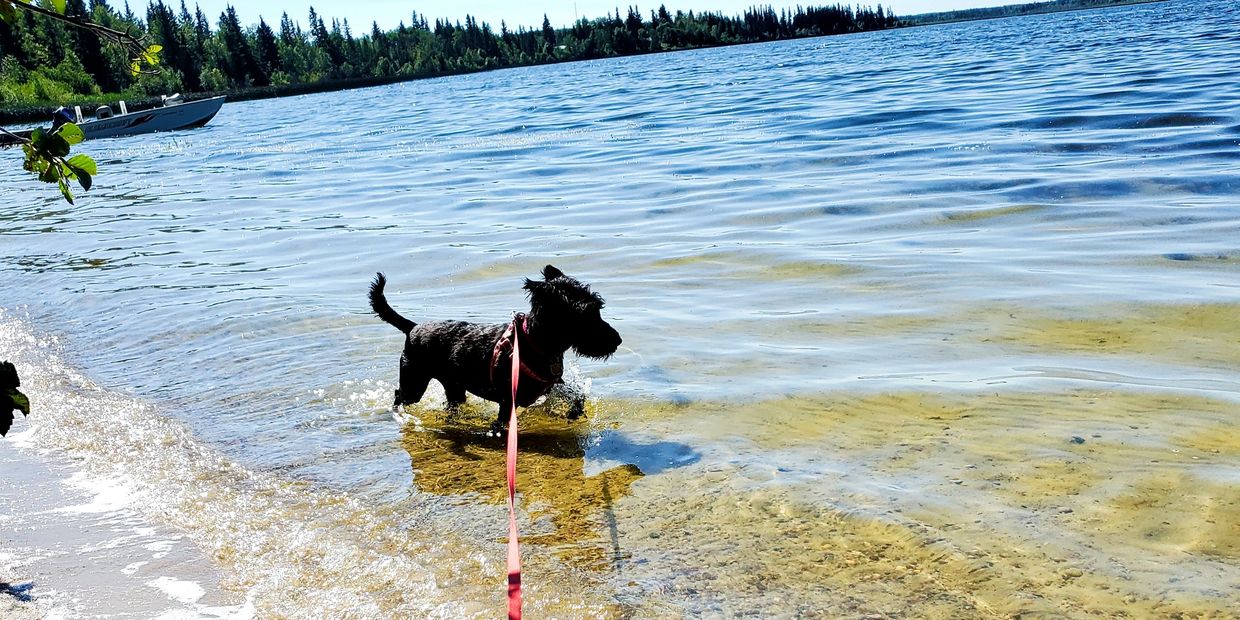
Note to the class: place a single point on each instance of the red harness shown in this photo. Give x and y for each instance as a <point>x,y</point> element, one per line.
<point>539,371</point>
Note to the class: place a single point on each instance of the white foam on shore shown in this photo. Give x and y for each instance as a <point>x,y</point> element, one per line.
<point>107,494</point>
<point>286,547</point>
<point>244,611</point>
<point>187,592</point>
<point>79,549</point>
<point>21,439</point>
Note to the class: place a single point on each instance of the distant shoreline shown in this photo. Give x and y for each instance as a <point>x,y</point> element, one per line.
<point>913,20</point>
<point>39,113</point>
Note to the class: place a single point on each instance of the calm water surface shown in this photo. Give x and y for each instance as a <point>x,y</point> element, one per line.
<point>929,323</point>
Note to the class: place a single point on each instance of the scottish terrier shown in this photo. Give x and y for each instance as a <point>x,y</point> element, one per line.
<point>477,358</point>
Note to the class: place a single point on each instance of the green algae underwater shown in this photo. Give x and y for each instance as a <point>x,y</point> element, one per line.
<point>1076,502</point>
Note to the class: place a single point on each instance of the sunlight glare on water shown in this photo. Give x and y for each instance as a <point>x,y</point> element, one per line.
<point>934,323</point>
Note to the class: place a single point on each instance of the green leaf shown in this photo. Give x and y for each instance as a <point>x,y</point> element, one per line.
<point>83,163</point>
<point>37,136</point>
<point>55,5</point>
<point>83,177</point>
<point>55,146</point>
<point>135,68</point>
<point>71,133</point>
<point>20,402</point>
<point>64,190</point>
<point>50,174</point>
<point>36,164</point>
<point>31,155</point>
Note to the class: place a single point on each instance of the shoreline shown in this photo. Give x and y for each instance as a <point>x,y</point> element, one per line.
<point>1073,9</point>
<point>29,114</point>
<point>74,544</point>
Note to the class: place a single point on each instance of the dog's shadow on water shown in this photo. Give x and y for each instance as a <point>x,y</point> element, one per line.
<point>567,474</point>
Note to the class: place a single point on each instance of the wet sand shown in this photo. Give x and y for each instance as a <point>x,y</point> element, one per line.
<point>1068,503</point>
<point>1096,495</point>
<point>11,604</point>
<point>75,546</point>
<point>1041,494</point>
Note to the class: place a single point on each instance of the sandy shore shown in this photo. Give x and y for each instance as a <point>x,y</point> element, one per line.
<point>10,605</point>
<point>73,546</point>
<point>16,580</point>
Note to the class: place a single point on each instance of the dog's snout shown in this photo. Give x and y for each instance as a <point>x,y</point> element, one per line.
<point>615,340</point>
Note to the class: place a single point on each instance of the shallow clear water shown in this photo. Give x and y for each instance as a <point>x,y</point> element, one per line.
<point>873,290</point>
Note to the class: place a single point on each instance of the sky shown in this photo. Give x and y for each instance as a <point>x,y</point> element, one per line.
<point>389,13</point>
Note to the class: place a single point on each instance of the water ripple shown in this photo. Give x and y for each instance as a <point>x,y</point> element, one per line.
<point>765,221</point>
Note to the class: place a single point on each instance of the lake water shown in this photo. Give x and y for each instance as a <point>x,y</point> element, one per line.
<point>933,323</point>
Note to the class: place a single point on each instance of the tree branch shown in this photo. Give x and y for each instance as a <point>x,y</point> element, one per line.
<point>124,39</point>
<point>17,138</point>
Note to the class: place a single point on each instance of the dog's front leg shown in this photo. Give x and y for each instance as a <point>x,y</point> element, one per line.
<point>501,418</point>
<point>578,408</point>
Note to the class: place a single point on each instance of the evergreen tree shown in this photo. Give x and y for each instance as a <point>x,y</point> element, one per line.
<point>323,39</point>
<point>232,56</point>
<point>289,33</point>
<point>239,65</point>
<point>164,30</point>
<point>202,28</point>
<point>548,32</point>
<point>87,46</point>
<point>266,50</point>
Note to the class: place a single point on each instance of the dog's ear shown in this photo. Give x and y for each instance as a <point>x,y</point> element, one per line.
<point>550,273</point>
<point>535,287</point>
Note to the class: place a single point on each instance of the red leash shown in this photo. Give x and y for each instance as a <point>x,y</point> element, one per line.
<point>514,548</point>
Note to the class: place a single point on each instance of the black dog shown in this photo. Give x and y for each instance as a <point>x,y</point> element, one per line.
<point>470,357</point>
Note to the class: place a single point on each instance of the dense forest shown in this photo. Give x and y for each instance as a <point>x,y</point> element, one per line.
<point>44,62</point>
<point>1014,10</point>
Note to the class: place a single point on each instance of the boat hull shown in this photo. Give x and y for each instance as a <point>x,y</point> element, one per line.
<point>181,116</point>
<point>169,118</point>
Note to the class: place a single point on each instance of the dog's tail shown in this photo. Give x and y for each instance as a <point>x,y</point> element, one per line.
<point>379,304</point>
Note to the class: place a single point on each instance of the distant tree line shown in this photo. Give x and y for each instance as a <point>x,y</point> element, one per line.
<point>1014,10</point>
<point>44,62</point>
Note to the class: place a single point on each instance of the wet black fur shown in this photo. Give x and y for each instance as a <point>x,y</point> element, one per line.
<point>564,314</point>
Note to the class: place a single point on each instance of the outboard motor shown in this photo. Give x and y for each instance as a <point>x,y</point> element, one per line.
<point>103,112</point>
<point>61,116</point>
